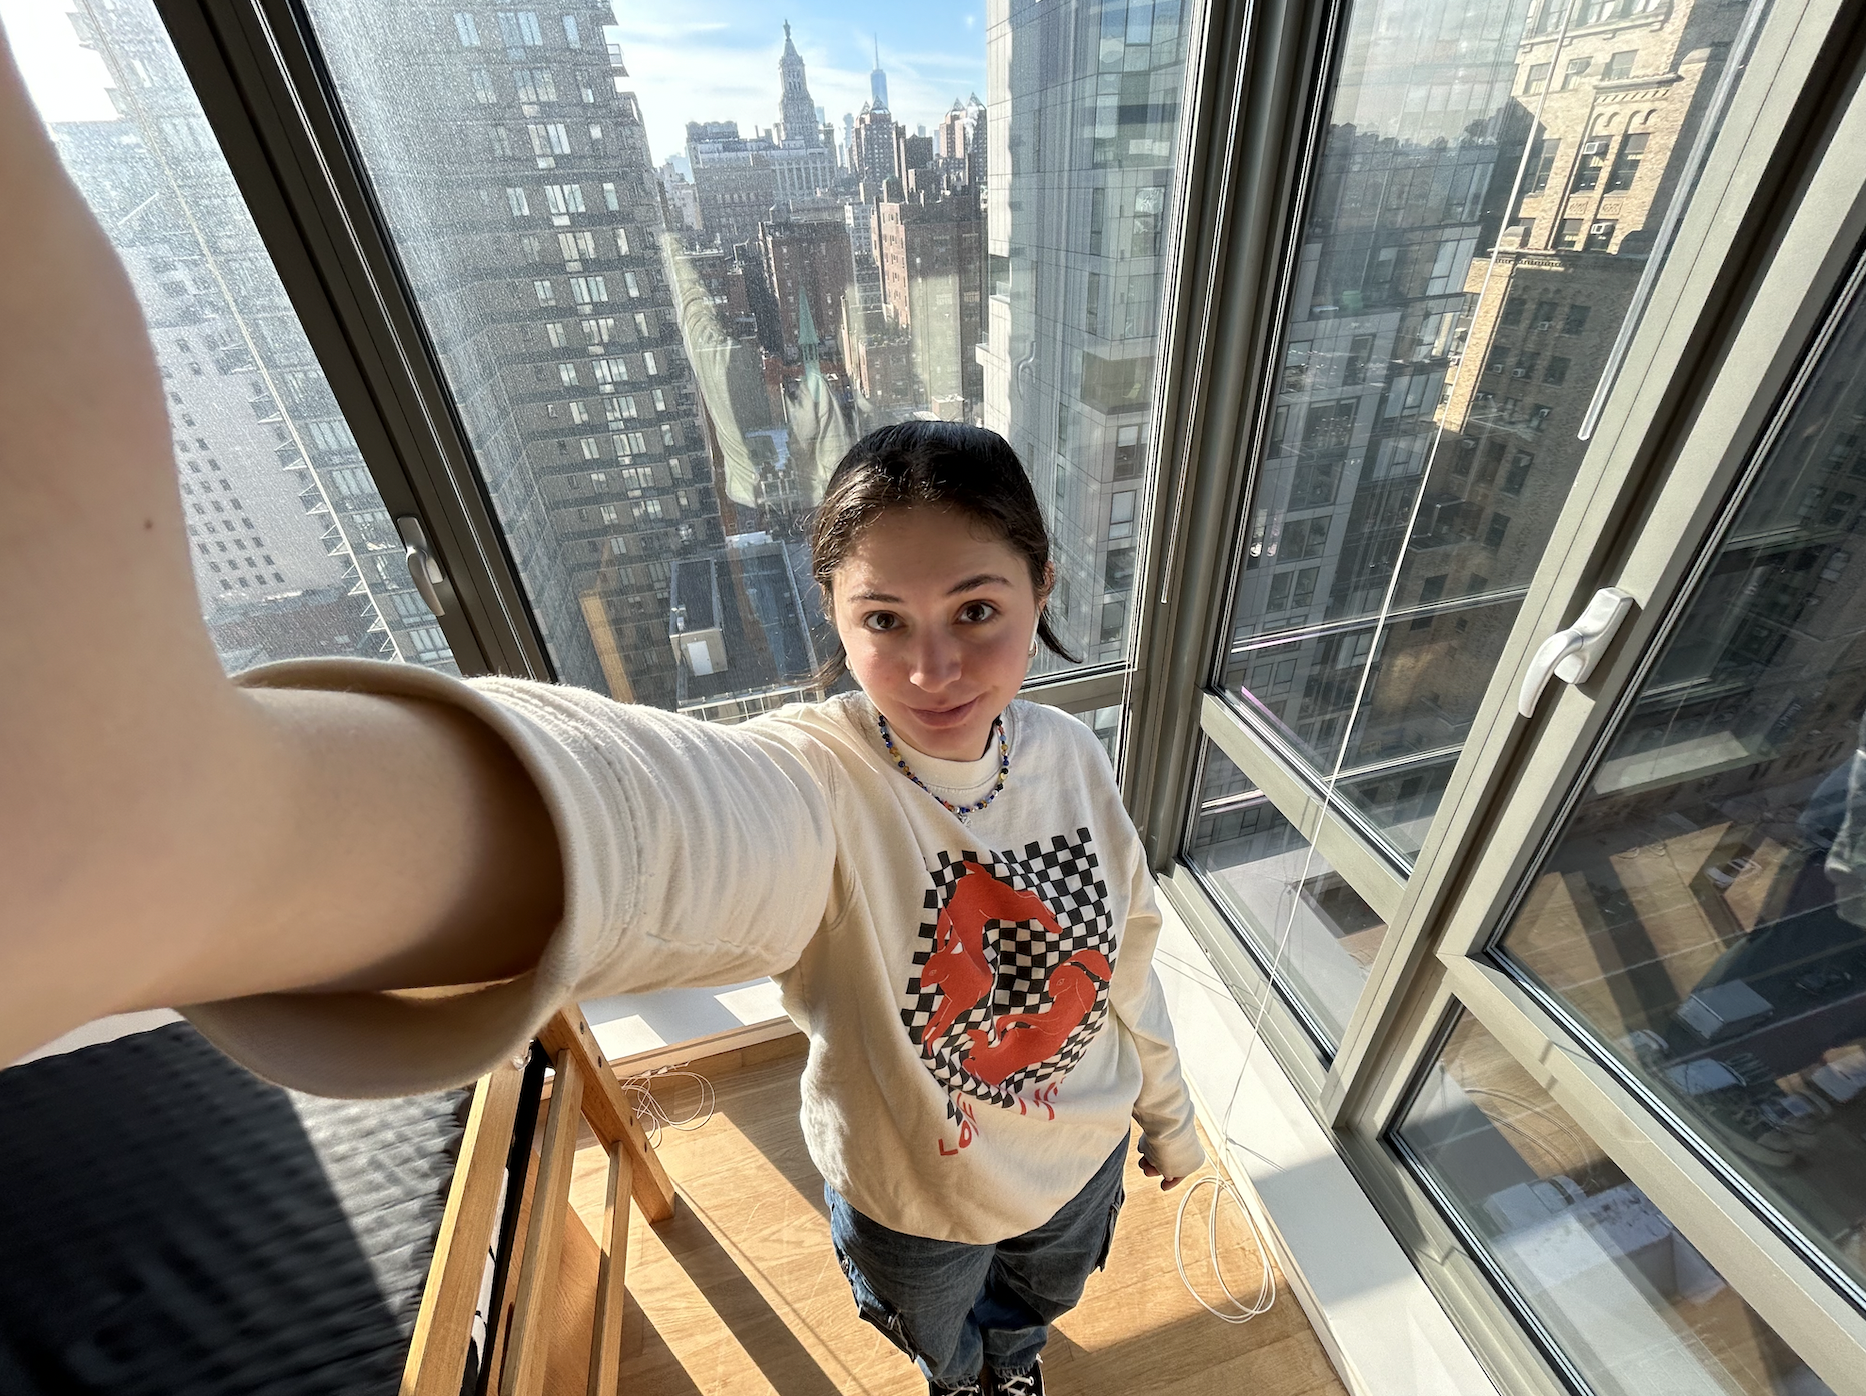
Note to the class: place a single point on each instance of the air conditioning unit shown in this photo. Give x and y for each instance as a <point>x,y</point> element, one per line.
<point>1594,147</point>
<point>1519,373</point>
<point>1600,230</point>
<point>1545,324</point>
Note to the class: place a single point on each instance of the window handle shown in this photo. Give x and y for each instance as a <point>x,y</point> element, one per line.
<point>1570,655</point>
<point>423,570</point>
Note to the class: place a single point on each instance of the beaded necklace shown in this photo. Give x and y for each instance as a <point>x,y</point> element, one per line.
<point>960,811</point>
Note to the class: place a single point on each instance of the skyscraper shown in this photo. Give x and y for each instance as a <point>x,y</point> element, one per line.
<point>1076,242</point>
<point>291,543</point>
<point>508,154</point>
<point>797,120</point>
<point>878,81</point>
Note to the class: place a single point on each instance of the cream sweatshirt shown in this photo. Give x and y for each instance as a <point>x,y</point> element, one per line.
<point>979,996</point>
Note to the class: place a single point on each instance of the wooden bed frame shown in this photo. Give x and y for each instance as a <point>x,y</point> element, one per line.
<point>535,1343</point>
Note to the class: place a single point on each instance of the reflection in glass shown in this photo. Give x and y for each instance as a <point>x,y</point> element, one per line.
<point>294,554</point>
<point>1703,911</point>
<point>666,309</point>
<point>1622,1295</point>
<point>1302,921</point>
<point>1491,181</point>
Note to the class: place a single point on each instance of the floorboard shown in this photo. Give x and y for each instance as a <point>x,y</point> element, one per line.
<point>739,1293</point>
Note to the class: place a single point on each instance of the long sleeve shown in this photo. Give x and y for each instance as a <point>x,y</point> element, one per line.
<point>692,854</point>
<point>1163,1109</point>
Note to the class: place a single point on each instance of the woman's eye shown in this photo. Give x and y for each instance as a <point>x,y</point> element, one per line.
<point>881,620</point>
<point>975,611</point>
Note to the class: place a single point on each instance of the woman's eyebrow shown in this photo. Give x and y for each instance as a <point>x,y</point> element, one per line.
<point>984,579</point>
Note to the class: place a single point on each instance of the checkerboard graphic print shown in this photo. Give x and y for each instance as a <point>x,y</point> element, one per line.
<point>1066,875</point>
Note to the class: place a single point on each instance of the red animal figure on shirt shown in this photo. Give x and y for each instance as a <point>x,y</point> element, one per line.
<point>958,966</point>
<point>1024,1039</point>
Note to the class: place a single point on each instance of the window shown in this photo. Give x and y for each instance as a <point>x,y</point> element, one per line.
<point>1557,370</point>
<point>1574,72</point>
<point>467,29</point>
<point>1620,66</point>
<point>610,201</point>
<point>535,85</point>
<point>567,374</point>
<point>281,446</point>
<point>572,38</point>
<point>550,138</point>
<point>1499,525</point>
<point>1587,168</point>
<point>1537,78</point>
<point>650,363</point>
<point>1519,472</point>
<point>545,291</point>
<point>634,287</point>
<point>622,249</point>
<point>1542,164</point>
<point>564,198</point>
<point>554,332</point>
<point>519,29</point>
<point>1599,236</point>
<point>1481,1128</point>
<point>587,290</point>
<point>1575,320</point>
<point>1121,515</point>
<point>1568,233</point>
<point>1626,163</point>
<point>520,205</point>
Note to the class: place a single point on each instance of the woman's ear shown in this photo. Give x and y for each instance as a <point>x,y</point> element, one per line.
<point>1049,584</point>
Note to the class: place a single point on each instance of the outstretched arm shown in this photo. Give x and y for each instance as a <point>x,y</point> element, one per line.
<point>164,836</point>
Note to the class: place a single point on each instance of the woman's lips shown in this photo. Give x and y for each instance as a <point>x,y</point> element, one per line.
<point>944,717</point>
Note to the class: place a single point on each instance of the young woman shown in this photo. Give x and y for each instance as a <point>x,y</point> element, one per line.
<point>940,877</point>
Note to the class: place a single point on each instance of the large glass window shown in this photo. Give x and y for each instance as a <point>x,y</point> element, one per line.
<point>1475,240</point>
<point>668,296</point>
<point>1624,1302</point>
<point>294,554</point>
<point>1311,931</point>
<point>1703,913</point>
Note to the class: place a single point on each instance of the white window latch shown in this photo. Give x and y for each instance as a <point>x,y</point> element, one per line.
<point>1570,655</point>
<point>423,570</point>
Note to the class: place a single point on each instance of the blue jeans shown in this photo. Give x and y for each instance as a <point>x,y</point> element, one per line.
<point>951,1306</point>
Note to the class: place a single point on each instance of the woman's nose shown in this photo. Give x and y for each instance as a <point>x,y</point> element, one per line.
<point>935,662</point>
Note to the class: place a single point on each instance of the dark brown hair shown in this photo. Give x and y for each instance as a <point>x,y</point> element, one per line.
<point>923,464</point>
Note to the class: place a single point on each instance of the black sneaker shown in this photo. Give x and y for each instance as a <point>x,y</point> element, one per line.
<point>1026,1383</point>
<point>970,1388</point>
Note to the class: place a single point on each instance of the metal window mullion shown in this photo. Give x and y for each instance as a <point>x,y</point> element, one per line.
<point>1790,1294</point>
<point>261,89</point>
<point>1740,299</point>
<point>1256,94</point>
<point>1078,693</point>
<point>1364,869</point>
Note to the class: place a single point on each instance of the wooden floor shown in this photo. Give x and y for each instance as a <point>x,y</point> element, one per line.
<point>740,1292</point>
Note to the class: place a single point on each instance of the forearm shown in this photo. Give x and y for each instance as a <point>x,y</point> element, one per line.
<point>299,840</point>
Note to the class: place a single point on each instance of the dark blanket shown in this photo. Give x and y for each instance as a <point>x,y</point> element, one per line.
<point>171,1224</point>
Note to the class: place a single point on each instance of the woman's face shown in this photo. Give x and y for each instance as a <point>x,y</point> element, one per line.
<point>936,612</point>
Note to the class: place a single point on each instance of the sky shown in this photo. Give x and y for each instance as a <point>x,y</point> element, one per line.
<point>704,60</point>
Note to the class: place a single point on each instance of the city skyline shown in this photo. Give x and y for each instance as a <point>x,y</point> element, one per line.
<point>742,42</point>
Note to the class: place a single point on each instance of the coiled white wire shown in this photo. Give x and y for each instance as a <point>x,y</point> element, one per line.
<point>653,1114</point>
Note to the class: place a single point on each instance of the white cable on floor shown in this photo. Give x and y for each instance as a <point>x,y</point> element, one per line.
<point>1223,1186</point>
<point>648,1106</point>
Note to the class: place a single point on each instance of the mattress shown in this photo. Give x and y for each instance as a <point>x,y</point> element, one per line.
<point>171,1224</point>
